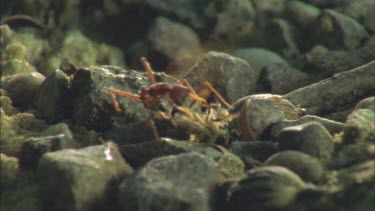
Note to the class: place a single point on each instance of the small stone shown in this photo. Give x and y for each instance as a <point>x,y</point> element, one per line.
<point>281,79</point>
<point>175,182</point>
<point>307,167</point>
<point>265,188</point>
<point>54,138</point>
<point>353,154</point>
<point>311,138</point>
<point>359,127</point>
<point>258,58</point>
<point>367,103</point>
<point>9,169</point>
<point>300,13</point>
<point>170,41</point>
<point>332,126</point>
<point>253,153</point>
<point>235,21</point>
<point>282,39</point>
<point>22,88</point>
<point>82,179</point>
<point>232,77</point>
<point>339,31</point>
<point>52,100</point>
<point>273,7</point>
<point>259,112</point>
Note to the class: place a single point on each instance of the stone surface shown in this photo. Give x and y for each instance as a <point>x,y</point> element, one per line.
<point>176,182</point>
<point>301,13</point>
<point>280,79</point>
<point>258,58</point>
<point>172,42</point>
<point>84,179</point>
<point>258,112</point>
<point>9,169</point>
<point>54,138</point>
<point>265,188</point>
<point>339,31</point>
<point>53,101</point>
<point>307,167</point>
<point>332,126</point>
<point>22,88</point>
<point>282,39</point>
<point>311,138</point>
<point>359,127</point>
<point>232,77</point>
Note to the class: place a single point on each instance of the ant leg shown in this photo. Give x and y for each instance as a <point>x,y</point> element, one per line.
<point>150,72</point>
<point>115,104</point>
<point>114,101</point>
<point>192,93</point>
<point>154,131</point>
<point>209,85</point>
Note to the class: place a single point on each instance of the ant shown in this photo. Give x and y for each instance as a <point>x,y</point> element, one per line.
<point>178,93</point>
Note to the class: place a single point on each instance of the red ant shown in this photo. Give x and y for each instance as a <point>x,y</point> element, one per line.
<point>151,96</point>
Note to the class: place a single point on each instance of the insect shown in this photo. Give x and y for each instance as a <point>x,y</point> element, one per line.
<point>207,122</point>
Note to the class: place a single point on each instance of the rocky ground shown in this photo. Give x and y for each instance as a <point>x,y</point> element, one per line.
<point>295,131</point>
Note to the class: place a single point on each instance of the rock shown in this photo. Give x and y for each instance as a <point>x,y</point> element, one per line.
<point>82,52</point>
<point>92,105</point>
<point>232,77</point>
<point>258,58</point>
<point>265,188</point>
<point>333,127</point>
<point>339,31</point>
<point>6,105</point>
<point>13,60</point>
<point>172,42</point>
<point>353,154</point>
<point>282,39</point>
<point>308,168</point>
<point>359,127</point>
<point>258,112</point>
<point>301,14</point>
<point>16,129</point>
<point>22,88</point>
<point>253,153</point>
<point>235,20</point>
<point>273,7</point>
<point>53,101</point>
<point>335,62</point>
<point>9,169</point>
<point>176,182</point>
<point>280,79</point>
<point>84,179</point>
<point>140,154</point>
<point>367,103</point>
<point>369,20</point>
<point>356,10</point>
<point>311,138</point>
<point>54,138</point>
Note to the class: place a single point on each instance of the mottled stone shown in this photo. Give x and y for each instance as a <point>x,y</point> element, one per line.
<point>258,58</point>
<point>9,169</point>
<point>359,127</point>
<point>22,88</point>
<point>339,31</point>
<point>281,79</point>
<point>300,13</point>
<point>265,188</point>
<point>307,167</point>
<point>311,138</point>
<point>232,77</point>
<point>53,101</point>
<point>176,182</point>
<point>84,179</point>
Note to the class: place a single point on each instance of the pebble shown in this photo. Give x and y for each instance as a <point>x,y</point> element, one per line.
<point>281,78</point>
<point>82,179</point>
<point>307,167</point>
<point>175,182</point>
<point>22,88</point>
<point>230,76</point>
<point>311,138</point>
